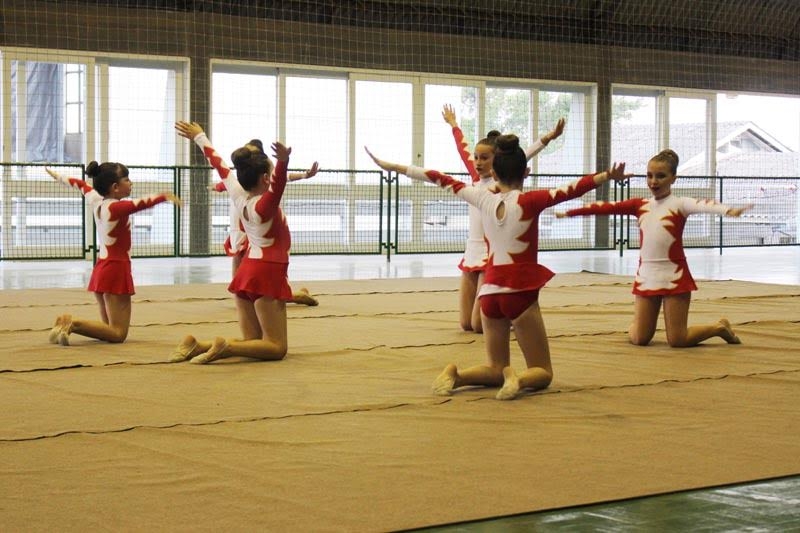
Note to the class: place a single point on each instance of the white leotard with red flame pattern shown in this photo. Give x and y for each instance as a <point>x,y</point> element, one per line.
<point>475,252</point>
<point>662,268</point>
<point>513,242</point>
<point>112,218</point>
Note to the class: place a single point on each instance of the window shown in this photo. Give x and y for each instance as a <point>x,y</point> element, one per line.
<point>243,107</point>
<point>316,121</point>
<point>141,116</point>
<point>440,150</point>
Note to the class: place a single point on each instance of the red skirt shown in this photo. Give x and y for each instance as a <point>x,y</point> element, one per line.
<point>255,279</point>
<point>112,277</point>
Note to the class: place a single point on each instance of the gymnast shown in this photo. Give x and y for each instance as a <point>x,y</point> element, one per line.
<point>260,285</point>
<point>479,166</point>
<point>111,280</point>
<point>663,275</point>
<point>513,277</point>
<point>235,244</point>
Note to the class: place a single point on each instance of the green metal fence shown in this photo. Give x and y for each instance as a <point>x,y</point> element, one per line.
<point>363,212</point>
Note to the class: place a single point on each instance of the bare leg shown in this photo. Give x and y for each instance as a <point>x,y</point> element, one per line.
<point>101,304</point>
<point>116,308</point>
<point>303,297</point>
<point>532,339</point>
<point>645,319</point>
<point>271,346</point>
<point>679,335</point>
<point>236,260</point>
<point>477,324</point>
<point>497,333</point>
<point>248,319</point>
<point>467,299</point>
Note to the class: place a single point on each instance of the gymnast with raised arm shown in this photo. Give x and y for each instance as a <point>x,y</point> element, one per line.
<point>260,285</point>
<point>235,244</point>
<point>479,166</point>
<point>510,293</point>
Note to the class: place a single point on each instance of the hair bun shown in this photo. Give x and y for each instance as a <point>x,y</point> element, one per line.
<point>507,143</point>
<point>669,154</point>
<point>92,169</point>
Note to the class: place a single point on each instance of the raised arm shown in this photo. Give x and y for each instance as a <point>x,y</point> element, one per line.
<point>269,201</point>
<point>194,132</point>
<point>449,116</point>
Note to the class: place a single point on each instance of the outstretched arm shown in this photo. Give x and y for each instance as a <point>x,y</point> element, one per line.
<point>420,174</point>
<point>386,165</point>
<point>75,183</point>
<point>545,139</point>
<point>737,211</point>
<point>310,173</point>
<point>615,173</point>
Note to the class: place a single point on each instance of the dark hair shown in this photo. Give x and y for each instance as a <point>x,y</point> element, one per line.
<point>257,143</point>
<point>104,175</point>
<point>669,157</point>
<point>490,139</point>
<point>509,162</point>
<point>250,166</point>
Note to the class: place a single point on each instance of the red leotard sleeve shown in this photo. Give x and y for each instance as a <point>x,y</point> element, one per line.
<point>268,204</point>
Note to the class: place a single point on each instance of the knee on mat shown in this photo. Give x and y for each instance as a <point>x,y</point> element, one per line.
<point>639,340</point>
<point>118,336</point>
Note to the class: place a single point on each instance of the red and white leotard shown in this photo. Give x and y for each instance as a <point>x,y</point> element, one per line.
<point>236,241</point>
<point>662,263</point>
<point>513,241</point>
<point>111,273</point>
<point>265,225</point>
<point>475,252</point>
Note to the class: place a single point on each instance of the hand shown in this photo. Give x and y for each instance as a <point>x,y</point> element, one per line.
<point>311,172</point>
<point>52,173</point>
<point>449,115</point>
<point>737,211</point>
<point>385,165</point>
<point>190,130</point>
<point>172,198</point>
<point>617,172</point>
<point>281,151</point>
<point>556,132</point>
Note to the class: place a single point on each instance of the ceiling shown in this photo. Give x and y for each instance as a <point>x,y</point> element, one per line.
<point>766,29</point>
